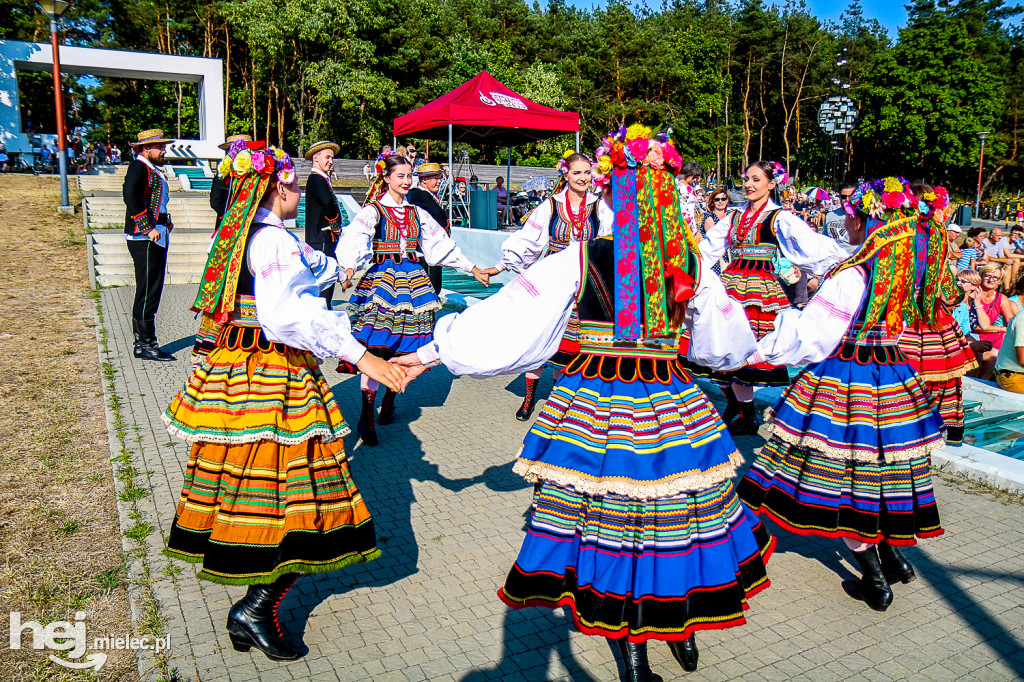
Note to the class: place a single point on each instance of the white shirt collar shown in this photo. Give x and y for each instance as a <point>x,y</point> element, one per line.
<point>319,172</point>
<point>265,217</point>
<point>386,200</point>
<point>560,196</point>
<point>146,161</point>
<point>768,206</point>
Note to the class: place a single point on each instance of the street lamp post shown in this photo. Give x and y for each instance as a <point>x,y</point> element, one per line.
<point>977,200</point>
<point>53,9</point>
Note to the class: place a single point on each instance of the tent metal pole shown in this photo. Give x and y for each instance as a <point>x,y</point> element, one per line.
<point>508,186</point>
<point>577,141</point>
<point>451,176</point>
<point>394,143</point>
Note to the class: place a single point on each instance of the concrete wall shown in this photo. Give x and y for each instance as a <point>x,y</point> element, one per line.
<point>483,247</point>
<point>20,56</point>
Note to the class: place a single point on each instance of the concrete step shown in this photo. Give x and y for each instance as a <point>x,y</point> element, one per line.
<point>191,240</point>
<point>194,260</point>
<point>106,248</point>
<point>129,280</point>
<point>127,270</point>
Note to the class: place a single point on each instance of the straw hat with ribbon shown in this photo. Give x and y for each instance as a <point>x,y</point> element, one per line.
<point>234,138</point>
<point>428,169</point>
<point>251,173</point>
<point>154,136</point>
<point>318,146</point>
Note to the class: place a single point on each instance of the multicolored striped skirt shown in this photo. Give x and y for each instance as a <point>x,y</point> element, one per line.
<point>754,284</point>
<point>849,454</point>
<point>941,355</point>
<point>267,487</point>
<point>635,525</point>
<point>393,308</point>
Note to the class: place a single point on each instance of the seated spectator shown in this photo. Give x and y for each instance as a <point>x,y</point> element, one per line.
<point>474,182</point>
<point>499,187</point>
<point>972,255</point>
<point>969,315</point>
<point>997,250</point>
<point>1010,361</point>
<point>998,309</point>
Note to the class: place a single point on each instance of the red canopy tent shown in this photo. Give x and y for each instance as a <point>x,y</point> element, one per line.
<point>485,111</point>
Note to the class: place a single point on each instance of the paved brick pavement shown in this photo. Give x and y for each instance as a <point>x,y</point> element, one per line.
<point>449,513</point>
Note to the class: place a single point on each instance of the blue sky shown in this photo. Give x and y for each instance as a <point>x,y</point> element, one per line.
<point>890,13</point>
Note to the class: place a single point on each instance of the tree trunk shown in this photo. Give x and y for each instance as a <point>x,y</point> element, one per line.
<point>746,117</point>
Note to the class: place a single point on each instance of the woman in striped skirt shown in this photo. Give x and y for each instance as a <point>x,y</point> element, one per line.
<point>394,303</point>
<point>754,238</point>
<point>267,492</point>
<point>635,526</point>
<point>937,348</point>
<point>571,214</point>
<point>849,455</point>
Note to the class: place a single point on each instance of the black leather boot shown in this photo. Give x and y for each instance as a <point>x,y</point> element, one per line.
<point>686,653</point>
<point>732,406</point>
<point>146,346</point>
<point>895,566</point>
<point>252,621</point>
<point>529,401</point>
<point>387,408</point>
<point>954,435</point>
<point>872,588</point>
<point>367,430</point>
<point>635,658</point>
<point>746,423</point>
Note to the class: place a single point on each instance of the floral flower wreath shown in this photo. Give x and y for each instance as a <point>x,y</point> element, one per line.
<point>936,205</point>
<point>632,147</point>
<point>882,198</point>
<point>563,164</point>
<point>241,161</point>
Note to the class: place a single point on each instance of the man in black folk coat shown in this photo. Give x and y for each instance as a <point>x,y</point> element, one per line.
<point>220,188</point>
<point>146,228</point>
<point>425,197</point>
<point>323,215</point>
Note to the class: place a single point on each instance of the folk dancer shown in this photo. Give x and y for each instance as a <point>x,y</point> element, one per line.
<point>755,236</point>
<point>424,197</point>
<point>635,526</point>
<point>220,197</point>
<point>393,305</point>
<point>220,190</point>
<point>268,494</point>
<point>850,450</point>
<point>934,344</point>
<point>323,213</point>
<point>571,214</point>
<point>147,227</point>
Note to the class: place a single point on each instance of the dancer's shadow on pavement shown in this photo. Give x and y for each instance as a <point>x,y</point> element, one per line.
<point>385,476</point>
<point>529,638</point>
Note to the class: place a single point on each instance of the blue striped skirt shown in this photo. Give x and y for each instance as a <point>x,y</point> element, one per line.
<point>393,308</point>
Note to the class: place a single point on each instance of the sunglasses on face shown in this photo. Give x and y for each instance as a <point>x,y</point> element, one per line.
<point>991,278</point>
<point>721,199</point>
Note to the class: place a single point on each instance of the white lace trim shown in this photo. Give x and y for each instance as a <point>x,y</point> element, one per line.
<point>325,434</point>
<point>820,447</point>
<point>535,472</point>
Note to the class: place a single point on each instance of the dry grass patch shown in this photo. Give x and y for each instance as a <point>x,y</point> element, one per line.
<point>60,545</point>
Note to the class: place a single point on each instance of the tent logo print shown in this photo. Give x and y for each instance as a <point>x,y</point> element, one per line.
<point>504,100</point>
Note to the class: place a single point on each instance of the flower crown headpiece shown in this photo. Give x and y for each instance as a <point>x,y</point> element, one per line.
<point>378,165</point>
<point>563,164</point>
<point>634,147</point>
<point>241,161</point>
<point>880,197</point>
<point>935,204</point>
<point>779,173</point>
